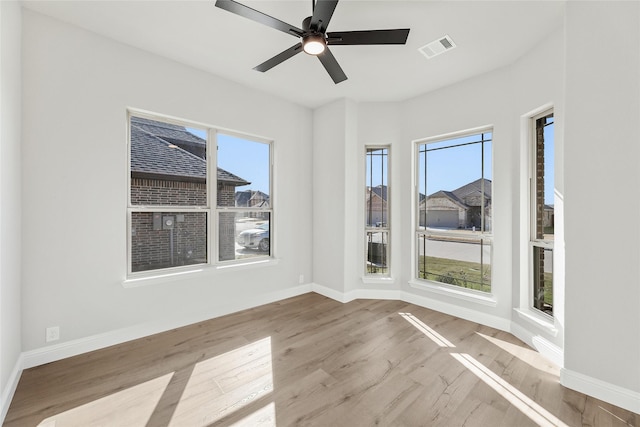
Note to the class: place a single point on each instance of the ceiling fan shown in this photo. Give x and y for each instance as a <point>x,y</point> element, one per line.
<point>315,38</point>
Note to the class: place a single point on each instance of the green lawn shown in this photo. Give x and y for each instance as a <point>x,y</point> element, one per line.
<point>468,275</point>
<point>454,272</point>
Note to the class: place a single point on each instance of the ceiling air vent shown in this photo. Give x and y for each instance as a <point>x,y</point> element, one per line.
<point>437,47</point>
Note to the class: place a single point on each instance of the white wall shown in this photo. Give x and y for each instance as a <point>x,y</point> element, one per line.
<point>602,130</point>
<point>77,86</point>
<point>332,126</point>
<point>10,206</point>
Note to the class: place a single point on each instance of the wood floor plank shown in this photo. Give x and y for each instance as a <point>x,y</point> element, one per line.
<point>311,361</point>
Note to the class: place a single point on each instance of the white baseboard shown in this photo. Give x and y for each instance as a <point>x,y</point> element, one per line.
<point>10,388</point>
<point>542,345</point>
<point>383,294</point>
<point>461,312</point>
<point>622,397</point>
<point>63,350</point>
<point>329,293</point>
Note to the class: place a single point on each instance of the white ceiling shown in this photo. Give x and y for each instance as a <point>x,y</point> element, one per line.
<point>488,34</point>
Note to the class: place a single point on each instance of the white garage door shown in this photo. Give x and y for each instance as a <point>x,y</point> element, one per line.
<point>442,219</point>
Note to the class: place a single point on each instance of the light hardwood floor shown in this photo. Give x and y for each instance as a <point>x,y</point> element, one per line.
<point>311,361</point>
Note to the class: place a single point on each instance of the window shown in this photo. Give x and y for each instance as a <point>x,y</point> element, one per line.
<point>244,204</point>
<point>542,215</point>
<point>171,194</point>
<point>377,211</point>
<point>454,210</point>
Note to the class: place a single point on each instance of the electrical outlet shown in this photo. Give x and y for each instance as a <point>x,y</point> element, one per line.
<point>53,334</point>
<point>301,279</point>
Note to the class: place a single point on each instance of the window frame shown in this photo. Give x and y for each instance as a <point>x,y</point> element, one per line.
<point>485,237</point>
<point>211,210</point>
<point>385,227</point>
<point>535,242</point>
<point>227,209</point>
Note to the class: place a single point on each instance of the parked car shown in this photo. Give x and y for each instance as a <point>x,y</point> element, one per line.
<point>256,238</point>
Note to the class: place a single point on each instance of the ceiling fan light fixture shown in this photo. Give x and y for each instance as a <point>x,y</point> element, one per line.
<point>314,44</point>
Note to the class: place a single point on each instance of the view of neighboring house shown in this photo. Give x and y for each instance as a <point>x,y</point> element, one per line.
<point>376,206</point>
<point>168,167</point>
<point>253,199</point>
<point>460,208</point>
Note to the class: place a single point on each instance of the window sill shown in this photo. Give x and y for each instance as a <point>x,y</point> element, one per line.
<point>246,265</point>
<point>455,292</point>
<point>540,320</point>
<point>372,280</point>
<point>172,276</point>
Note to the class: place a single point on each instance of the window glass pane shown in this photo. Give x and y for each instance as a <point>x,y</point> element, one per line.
<point>462,262</point>
<point>544,172</point>
<point>455,211</point>
<point>377,252</point>
<point>243,173</point>
<point>543,279</point>
<point>377,211</point>
<point>455,183</point>
<point>168,164</point>
<point>376,201</point>
<point>167,239</point>
<point>243,235</point>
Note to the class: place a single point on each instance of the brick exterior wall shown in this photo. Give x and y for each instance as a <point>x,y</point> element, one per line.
<point>538,253</point>
<point>186,243</point>
<point>226,223</point>
<point>156,192</point>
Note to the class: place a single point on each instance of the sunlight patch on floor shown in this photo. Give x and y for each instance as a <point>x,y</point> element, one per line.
<point>263,417</point>
<point>430,333</point>
<point>130,407</point>
<point>525,354</point>
<point>222,385</point>
<point>525,404</point>
<point>518,399</point>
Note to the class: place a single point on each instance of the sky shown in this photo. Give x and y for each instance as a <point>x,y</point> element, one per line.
<point>447,169</point>
<point>452,163</point>
<point>452,168</point>
<point>242,157</point>
<point>549,164</point>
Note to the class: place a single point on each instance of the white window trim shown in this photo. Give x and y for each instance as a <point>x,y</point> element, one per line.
<point>465,294</point>
<point>538,319</point>
<point>379,278</point>
<point>199,270</point>
<point>527,310</point>
<point>486,298</point>
<point>169,274</point>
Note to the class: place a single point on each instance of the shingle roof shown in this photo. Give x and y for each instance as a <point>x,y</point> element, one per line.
<point>156,150</point>
<point>380,191</point>
<point>166,131</point>
<point>450,195</point>
<point>474,187</point>
<point>460,195</point>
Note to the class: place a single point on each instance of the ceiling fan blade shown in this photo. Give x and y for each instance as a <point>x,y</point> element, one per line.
<point>398,36</point>
<point>281,57</point>
<point>322,14</point>
<point>254,15</point>
<point>331,65</point>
